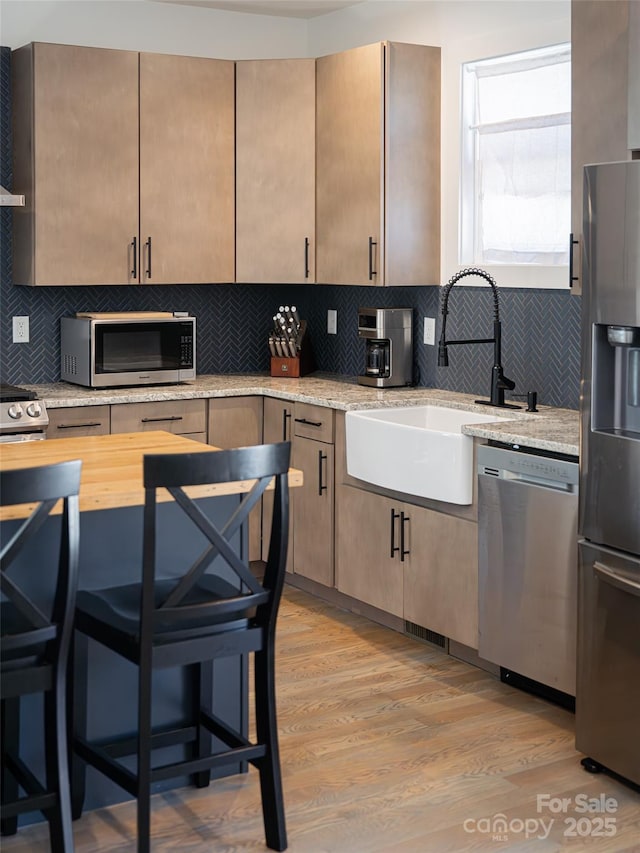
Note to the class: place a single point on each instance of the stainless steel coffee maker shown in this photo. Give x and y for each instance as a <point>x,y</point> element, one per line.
<point>388,334</point>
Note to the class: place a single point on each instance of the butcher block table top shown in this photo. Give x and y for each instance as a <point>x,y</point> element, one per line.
<point>112,467</point>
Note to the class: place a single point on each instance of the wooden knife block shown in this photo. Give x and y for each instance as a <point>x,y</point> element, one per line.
<point>293,367</point>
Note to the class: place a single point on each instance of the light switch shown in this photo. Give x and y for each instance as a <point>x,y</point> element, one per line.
<point>332,322</point>
<point>430,331</point>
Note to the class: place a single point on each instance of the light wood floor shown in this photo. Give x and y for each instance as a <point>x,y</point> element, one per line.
<point>387,746</point>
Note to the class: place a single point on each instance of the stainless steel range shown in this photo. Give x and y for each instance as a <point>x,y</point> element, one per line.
<point>22,416</point>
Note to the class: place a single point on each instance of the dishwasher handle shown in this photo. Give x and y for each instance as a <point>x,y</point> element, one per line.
<point>610,576</point>
<point>544,482</point>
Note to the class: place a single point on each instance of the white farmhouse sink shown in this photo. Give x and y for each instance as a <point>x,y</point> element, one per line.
<point>417,450</point>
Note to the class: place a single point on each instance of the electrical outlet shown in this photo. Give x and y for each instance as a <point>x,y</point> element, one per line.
<point>430,331</point>
<point>332,322</point>
<point>21,330</point>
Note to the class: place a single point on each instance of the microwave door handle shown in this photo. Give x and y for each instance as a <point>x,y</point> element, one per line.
<point>610,576</point>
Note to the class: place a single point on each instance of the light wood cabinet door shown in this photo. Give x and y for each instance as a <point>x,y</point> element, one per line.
<point>441,573</point>
<point>275,171</point>
<point>237,422</point>
<point>76,160</point>
<point>378,166</point>
<point>367,529</point>
<point>278,420</point>
<point>186,169</point>
<point>349,156</point>
<point>313,513</point>
<point>78,421</point>
<point>181,417</point>
<point>599,97</point>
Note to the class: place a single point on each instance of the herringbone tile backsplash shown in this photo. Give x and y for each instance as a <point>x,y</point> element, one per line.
<point>541,328</point>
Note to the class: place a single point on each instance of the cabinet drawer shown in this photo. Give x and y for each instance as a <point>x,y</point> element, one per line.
<point>77,421</point>
<point>177,416</point>
<point>313,422</point>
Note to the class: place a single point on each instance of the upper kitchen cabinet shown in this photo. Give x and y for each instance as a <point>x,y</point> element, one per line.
<point>126,161</point>
<point>186,169</point>
<point>75,137</point>
<point>275,171</point>
<point>378,166</point>
<point>600,96</point>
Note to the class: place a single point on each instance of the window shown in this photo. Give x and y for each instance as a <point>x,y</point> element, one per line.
<point>515,200</point>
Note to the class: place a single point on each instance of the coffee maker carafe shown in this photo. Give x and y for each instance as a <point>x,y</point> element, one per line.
<point>388,338</point>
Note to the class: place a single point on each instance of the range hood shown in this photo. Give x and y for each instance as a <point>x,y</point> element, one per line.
<point>8,199</point>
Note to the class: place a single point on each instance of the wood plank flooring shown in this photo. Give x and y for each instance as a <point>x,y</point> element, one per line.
<point>387,746</point>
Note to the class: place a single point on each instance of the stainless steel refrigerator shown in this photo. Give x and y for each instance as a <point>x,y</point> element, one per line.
<point>608,673</point>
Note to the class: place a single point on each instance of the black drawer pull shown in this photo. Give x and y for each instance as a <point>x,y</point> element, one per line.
<point>308,423</point>
<point>394,547</point>
<point>572,243</point>
<point>285,417</point>
<point>79,426</point>
<point>159,420</point>
<point>306,257</point>
<point>404,552</point>
<point>134,249</point>
<point>321,488</point>
<point>372,271</point>
<point>148,245</point>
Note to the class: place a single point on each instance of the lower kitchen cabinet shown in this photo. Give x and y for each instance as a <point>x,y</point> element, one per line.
<point>182,417</point>
<point>313,514</point>
<point>409,561</point>
<point>78,421</point>
<point>311,432</point>
<point>441,574</point>
<point>313,453</point>
<point>278,417</point>
<point>237,422</point>
<point>368,566</point>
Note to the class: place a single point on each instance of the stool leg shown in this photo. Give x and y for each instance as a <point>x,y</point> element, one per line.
<point>144,756</point>
<point>10,735</point>
<point>269,766</point>
<point>57,766</point>
<point>202,682</point>
<point>78,685</point>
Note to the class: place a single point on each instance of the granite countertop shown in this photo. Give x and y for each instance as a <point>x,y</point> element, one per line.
<point>549,429</point>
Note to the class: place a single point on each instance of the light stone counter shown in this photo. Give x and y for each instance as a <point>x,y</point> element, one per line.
<point>551,429</point>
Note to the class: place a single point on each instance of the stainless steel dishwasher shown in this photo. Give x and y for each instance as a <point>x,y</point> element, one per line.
<point>527,563</point>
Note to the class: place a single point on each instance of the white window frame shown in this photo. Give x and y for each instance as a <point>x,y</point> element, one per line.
<point>471,129</point>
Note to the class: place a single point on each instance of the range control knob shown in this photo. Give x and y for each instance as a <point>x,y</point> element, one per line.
<point>15,412</point>
<point>34,410</point>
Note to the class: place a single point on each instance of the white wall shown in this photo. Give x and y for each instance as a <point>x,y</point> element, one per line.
<point>154,27</point>
<point>465,30</point>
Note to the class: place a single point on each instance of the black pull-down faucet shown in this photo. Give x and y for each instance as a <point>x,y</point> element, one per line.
<point>499,382</point>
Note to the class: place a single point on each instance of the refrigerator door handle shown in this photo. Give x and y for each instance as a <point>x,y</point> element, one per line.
<point>610,576</point>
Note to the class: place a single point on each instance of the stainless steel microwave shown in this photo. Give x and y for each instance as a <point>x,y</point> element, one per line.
<point>105,350</point>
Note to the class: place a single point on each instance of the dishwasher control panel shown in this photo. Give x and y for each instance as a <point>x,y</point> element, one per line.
<point>513,464</point>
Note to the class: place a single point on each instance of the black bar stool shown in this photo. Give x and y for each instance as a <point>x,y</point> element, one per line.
<point>189,620</point>
<point>36,637</point>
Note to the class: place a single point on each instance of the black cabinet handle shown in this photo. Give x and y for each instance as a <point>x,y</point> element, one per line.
<point>394,547</point>
<point>306,257</point>
<point>79,426</point>
<point>404,552</point>
<point>372,272</point>
<point>134,249</point>
<point>322,457</point>
<point>285,417</point>
<point>148,245</point>
<point>159,420</point>
<point>572,243</point>
<point>308,423</point>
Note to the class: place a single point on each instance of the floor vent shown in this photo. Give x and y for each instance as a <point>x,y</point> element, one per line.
<point>426,635</point>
